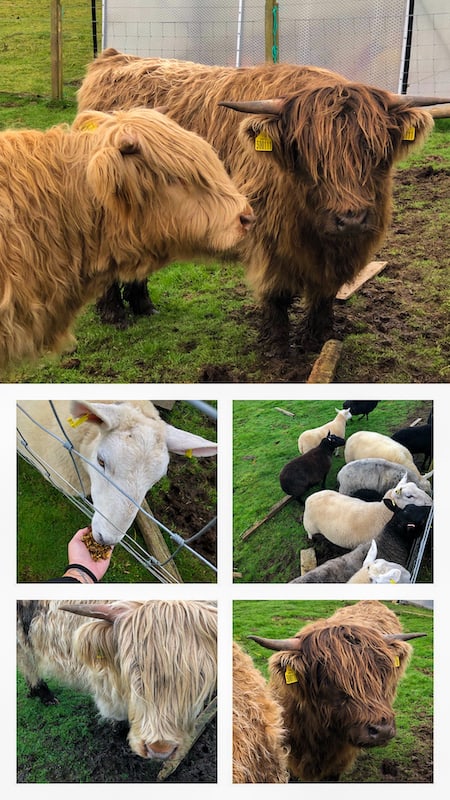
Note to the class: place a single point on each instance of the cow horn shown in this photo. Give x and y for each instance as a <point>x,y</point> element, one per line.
<point>417,100</point>
<point>402,637</point>
<point>101,611</point>
<point>277,644</point>
<point>274,107</point>
<point>438,111</point>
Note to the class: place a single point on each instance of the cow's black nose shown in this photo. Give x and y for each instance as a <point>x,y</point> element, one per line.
<point>351,219</point>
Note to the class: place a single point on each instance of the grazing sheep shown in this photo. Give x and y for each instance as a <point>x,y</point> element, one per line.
<point>378,570</point>
<point>377,475</point>
<point>259,750</point>
<point>116,196</point>
<point>312,437</point>
<point>360,408</point>
<point>394,543</point>
<point>368,444</point>
<point>348,521</point>
<point>124,450</point>
<point>418,439</point>
<point>336,680</point>
<point>306,471</point>
<point>321,184</point>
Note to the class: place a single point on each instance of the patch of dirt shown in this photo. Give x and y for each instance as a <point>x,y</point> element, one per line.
<point>186,507</point>
<point>394,307</point>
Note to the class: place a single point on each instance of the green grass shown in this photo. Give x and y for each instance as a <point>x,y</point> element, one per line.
<point>47,520</point>
<point>264,440</point>
<point>411,750</point>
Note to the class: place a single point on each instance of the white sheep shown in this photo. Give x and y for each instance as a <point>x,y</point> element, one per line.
<point>312,437</point>
<point>368,444</point>
<point>348,521</point>
<point>378,570</point>
<point>124,447</point>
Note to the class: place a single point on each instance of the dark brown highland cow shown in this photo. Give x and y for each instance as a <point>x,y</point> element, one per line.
<point>336,681</point>
<point>314,154</point>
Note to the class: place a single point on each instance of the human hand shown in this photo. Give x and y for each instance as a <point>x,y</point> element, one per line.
<point>79,554</point>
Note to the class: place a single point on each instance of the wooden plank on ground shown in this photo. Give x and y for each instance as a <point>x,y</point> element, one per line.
<point>324,368</point>
<point>308,560</point>
<point>362,277</point>
<point>181,752</point>
<point>281,503</point>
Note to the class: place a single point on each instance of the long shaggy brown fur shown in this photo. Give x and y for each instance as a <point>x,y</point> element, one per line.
<point>152,663</point>
<point>322,196</point>
<point>114,197</point>
<point>259,749</point>
<point>344,681</point>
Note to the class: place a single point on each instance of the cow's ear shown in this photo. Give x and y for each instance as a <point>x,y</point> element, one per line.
<point>411,127</point>
<point>89,121</point>
<point>261,137</point>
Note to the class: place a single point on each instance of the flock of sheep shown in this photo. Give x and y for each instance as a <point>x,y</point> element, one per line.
<point>380,505</point>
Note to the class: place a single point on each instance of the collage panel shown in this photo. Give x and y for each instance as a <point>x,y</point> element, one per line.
<point>332,491</point>
<point>138,676</point>
<point>93,475</point>
<point>347,694</point>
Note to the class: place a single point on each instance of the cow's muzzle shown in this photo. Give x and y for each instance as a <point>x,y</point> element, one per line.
<point>160,751</point>
<point>352,221</point>
<point>374,735</point>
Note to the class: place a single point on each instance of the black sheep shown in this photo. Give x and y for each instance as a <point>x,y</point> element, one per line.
<point>419,440</point>
<point>360,408</point>
<point>305,471</point>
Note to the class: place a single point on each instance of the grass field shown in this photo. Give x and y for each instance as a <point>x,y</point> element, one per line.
<point>408,758</point>
<point>264,440</point>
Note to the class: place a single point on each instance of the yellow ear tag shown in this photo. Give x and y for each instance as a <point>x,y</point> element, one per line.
<point>263,142</point>
<point>188,453</point>
<point>396,661</point>
<point>91,125</point>
<point>75,422</point>
<point>290,675</point>
<point>409,135</point>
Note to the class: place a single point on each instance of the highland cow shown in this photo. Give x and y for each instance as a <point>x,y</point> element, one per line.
<point>314,154</point>
<point>336,681</point>
<point>150,663</point>
<point>116,196</point>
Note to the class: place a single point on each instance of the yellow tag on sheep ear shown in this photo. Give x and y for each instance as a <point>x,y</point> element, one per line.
<point>396,661</point>
<point>290,676</point>
<point>188,453</point>
<point>409,135</point>
<point>75,422</point>
<point>263,142</point>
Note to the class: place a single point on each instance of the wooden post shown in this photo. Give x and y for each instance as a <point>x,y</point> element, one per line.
<point>271,31</point>
<point>56,49</point>
<point>154,541</point>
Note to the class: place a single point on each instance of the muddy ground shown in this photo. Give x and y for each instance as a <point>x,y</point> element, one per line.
<point>395,308</point>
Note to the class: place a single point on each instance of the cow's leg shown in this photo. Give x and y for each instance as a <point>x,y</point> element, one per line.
<point>42,691</point>
<point>137,295</point>
<point>110,307</point>
<point>319,323</point>
<point>274,329</point>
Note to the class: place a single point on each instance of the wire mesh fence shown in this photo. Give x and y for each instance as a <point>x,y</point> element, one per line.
<point>77,493</point>
<point>365,42</point>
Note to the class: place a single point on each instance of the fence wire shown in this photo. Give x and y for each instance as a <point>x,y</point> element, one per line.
<point>83,504</point>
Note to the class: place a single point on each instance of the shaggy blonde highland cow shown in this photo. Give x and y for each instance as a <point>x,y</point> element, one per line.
<point>115,196</point>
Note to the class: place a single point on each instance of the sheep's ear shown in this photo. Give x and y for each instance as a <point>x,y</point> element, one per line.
<point>188,444</point>
<point>391,576</point>
<point>371,554</point>
<point>97,413</point>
